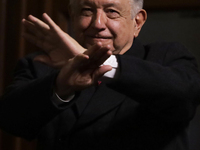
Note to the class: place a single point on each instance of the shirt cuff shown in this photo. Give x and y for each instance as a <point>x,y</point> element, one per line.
<point>57,100</point>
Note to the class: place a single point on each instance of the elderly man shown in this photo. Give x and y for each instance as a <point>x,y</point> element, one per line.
<point>104,90</point>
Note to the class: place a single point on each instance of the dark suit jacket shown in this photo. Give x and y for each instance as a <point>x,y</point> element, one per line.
<point>147,108</point>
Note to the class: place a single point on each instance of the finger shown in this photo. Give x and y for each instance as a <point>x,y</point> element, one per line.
<point>32,28</point>
<point>35,37</point>
<point>100,61</point>
<point>97,51</point>
<point>91,51</point>
<point>100,52</point>
<point>98,55</point>
<point>80,60</point>
<point>40,30</point>
<point>76,63</point>
<point>103,58</point>
<point>43,27</point>
<point>67,40</point>
<point>98,73</point>
<point>27,23</point>
<point>50,22</point>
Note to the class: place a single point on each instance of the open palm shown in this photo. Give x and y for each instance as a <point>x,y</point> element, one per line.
<point>57,44</point>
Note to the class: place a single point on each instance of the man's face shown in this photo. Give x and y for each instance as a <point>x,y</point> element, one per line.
<point>106,21</point>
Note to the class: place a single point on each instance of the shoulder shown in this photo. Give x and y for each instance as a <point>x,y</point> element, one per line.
<point>163,46</point>
<point>27,64</point>
<point>167,51</point>
<point>168,47</point>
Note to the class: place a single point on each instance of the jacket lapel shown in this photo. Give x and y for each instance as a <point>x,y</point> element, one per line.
<point>95,103</point>
<point>104,100</point>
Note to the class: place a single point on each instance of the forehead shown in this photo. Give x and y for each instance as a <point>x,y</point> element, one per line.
<point>99,3</point>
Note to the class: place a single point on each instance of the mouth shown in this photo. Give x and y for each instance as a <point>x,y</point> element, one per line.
<point>99,37</point>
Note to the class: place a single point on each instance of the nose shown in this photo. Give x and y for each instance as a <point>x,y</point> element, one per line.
<point>99,20</point>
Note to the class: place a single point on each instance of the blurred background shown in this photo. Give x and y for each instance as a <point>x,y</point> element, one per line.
<point>177,20</point>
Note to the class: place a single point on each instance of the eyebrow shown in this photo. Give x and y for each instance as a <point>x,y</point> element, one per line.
<point>112,5</point>
<point>117,5</point>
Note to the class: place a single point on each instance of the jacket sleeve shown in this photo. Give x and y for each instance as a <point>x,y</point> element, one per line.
<point>26,107</point>
<point>166,82</point>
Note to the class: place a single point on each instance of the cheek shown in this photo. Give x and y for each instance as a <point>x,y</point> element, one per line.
<point>84,23</point>
<point>120,31</point>
<point>79,28</point>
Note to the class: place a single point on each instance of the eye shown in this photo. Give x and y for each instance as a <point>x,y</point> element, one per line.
<point>111,13</point>
<point>86,11</point>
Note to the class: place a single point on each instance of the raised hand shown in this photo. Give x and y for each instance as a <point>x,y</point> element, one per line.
<point>79,68</point>
<point>57,44</point>
<point>83,70</point>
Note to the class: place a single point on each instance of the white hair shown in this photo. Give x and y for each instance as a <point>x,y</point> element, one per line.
<point>135,4</point>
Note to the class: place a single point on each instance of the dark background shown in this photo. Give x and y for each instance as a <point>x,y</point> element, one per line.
<point>177,20</point>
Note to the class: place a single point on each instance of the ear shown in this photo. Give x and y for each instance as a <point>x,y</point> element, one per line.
<point>139,19</point>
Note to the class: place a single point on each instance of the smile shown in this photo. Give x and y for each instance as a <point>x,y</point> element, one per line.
<point>100,37</point>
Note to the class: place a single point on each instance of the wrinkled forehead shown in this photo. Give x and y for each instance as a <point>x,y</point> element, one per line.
<point>101,2</point>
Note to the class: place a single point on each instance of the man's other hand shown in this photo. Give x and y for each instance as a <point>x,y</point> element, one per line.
<point>57,44</point>
<point>83,70</point>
